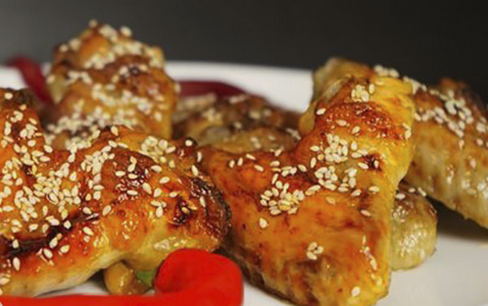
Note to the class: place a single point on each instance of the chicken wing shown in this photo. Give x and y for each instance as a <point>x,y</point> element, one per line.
<point>451,157</point>
<point>414,233</point>
<point>105,77</point>
<point>451,137</point>
<point>313,224</point>
<point>116,195</point>
<point>231,127</point>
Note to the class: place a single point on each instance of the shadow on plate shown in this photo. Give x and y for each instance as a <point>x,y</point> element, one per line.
<point>453,224</point>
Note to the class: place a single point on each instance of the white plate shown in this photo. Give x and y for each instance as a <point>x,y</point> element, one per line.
<point>457,274</point>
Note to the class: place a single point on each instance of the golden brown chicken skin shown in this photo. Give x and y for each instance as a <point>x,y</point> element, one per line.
<point>117,195</point>
<point>414,217</point>
<point>211,120</point>
<point>313,224</point>
<point>451,138</point>
<point>414,233</point>
<point>107,77</point>
<point>451,157</point>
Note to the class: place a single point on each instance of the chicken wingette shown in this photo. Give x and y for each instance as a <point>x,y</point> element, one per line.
<point>245,124</point>
<point>451,156</point>
<point>116,195</point>
<point>106,77</point>
<point>451,137</point>
<point>313,224</point>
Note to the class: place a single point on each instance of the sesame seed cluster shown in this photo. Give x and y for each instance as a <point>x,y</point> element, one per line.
<point>104,76</point>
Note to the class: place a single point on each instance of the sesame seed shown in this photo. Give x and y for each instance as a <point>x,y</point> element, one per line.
<point>64,249</point>
<point>126,31</point>
<point>53,243</point>
<point>202,201</point>
<point>164,180</point>
<point>199,156</point>
<point>132,192</point>
<point>16,263</point>
<point>47,253</point>
<point>365,213</point>
<point>400,196</point>
<point>263,223</point>
<point>374,189</point>
<point>356,193</point>
<point>363,166</point>
<point>8,95</point>
<point>194,170</point>
<point>320,111</point>
<point>250,156</point>
<point>88,231</point>
<point>114,130</point>
<point>106,210</point>
<point>157,192</point>
<point>147,188</point>
<point>97,195</point>
<point>156,168</point>
<point>159,212</point>
<point>355,291</point>
<point>4,281</point>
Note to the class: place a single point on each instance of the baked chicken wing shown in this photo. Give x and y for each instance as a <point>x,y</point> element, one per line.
<point>116,195</point>
<point>451,137</point>
<point>105,77</point>
<point>451,156</point>
<point>231,127</point>
<point>414,233</point>
<point>313,224</point>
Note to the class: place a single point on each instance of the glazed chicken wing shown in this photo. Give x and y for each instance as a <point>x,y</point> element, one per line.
<point>451,138</point>
<point>451,157</point>
<point>414,234</point>
<point>115,195</point>
<point>231,127</point>
<point>105,77</point>
<point>313,224</point>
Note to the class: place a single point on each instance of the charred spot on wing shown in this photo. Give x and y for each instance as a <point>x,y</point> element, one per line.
<point>373,161</point>
<point>182,213</point>
<point>217,217</point>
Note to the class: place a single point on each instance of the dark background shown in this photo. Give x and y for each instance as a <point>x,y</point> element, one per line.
<point>423,39</point>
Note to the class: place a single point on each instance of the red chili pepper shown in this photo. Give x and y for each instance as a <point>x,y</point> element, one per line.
<point>196,88</point>
<point>187,277</point>
<point>32,75</point>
